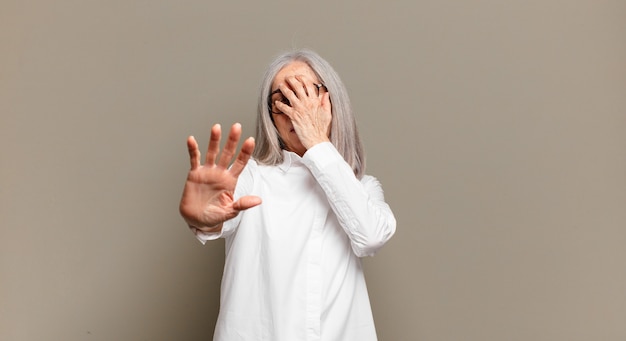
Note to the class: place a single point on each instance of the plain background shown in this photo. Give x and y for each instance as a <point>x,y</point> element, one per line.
<point>497,129</point>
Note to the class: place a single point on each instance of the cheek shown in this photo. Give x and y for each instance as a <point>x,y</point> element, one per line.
<point>281,122</point>
<point>282,118</point>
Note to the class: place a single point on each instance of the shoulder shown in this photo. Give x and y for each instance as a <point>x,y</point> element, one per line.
<point>252,163</point>
<point>251,167</point>
<point>254,169</point>
<point>245,180</point>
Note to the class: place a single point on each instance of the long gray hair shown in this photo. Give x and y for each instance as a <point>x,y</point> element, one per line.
<point>343,131</point>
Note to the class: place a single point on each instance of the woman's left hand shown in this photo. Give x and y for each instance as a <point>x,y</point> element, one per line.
<point>310,110</point>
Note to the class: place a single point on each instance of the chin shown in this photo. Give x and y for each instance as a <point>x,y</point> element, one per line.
<point>298,149</point>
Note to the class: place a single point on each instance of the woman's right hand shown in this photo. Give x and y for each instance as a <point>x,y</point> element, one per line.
<point>208,196</point>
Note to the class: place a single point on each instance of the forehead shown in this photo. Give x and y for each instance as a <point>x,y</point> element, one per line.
<point>295,68</point>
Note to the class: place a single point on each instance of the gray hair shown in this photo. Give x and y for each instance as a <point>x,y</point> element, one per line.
<point>344,134</point>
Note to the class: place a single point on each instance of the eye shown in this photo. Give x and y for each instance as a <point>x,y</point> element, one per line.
<point>277,96</point>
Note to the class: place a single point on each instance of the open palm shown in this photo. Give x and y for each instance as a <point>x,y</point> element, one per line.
<point>208,196</point>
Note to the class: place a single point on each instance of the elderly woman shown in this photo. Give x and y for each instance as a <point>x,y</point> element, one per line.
<point>297,211</point>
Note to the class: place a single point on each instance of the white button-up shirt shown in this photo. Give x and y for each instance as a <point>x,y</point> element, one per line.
<point>292,268</point>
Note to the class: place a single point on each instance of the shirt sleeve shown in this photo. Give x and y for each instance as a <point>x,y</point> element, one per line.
<point>244,184</point>
<point>359,205</point>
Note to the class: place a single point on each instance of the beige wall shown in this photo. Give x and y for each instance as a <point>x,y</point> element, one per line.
<point>496,127</point>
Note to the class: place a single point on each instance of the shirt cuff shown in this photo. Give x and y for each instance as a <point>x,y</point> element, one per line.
<point>227,228</point>
<point>321,155</point>
<point>204,237</point>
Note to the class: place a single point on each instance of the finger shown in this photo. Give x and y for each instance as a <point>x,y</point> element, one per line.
<point>288,93</point>
<point>231,145</point>
<point>194,152</point>
<point>244,155</point>
<point>246,202</point>
<point>297,86</point>
<point>214,145</point>
<point>309,86</point>
<point>285,109</point>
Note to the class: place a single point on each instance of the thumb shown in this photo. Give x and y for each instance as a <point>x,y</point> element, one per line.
<point>246,202</point>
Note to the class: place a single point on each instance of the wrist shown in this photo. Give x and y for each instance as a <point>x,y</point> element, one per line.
<point>312,143</point>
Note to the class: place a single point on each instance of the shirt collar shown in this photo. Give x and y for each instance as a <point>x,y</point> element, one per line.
<point>290,159</point>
